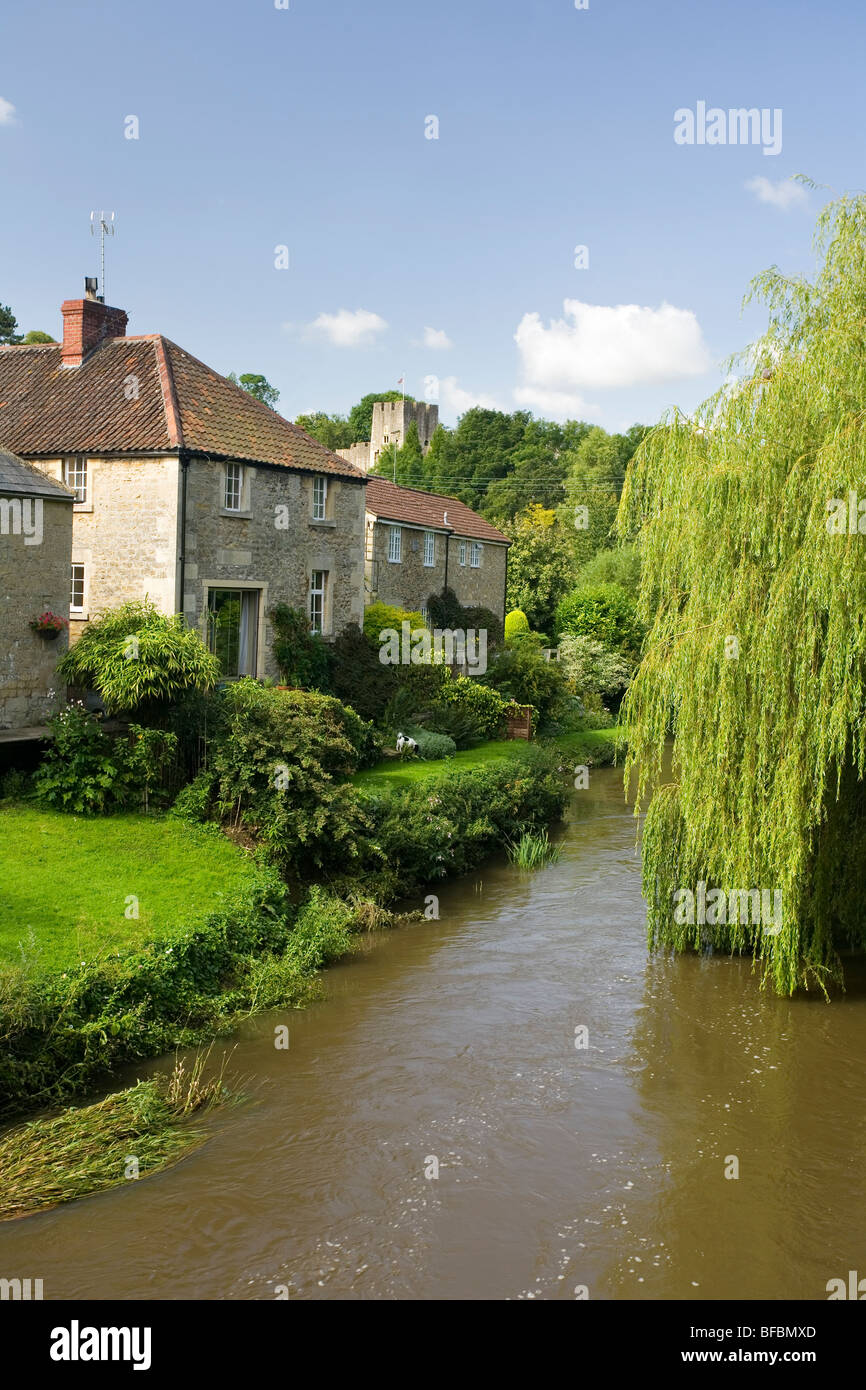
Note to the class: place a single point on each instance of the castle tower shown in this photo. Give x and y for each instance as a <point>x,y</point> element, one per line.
<point>391,421</point>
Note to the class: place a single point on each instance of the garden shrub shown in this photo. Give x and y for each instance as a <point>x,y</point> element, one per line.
<point>483,705</point>
<point>595,674</point>
<point>358,677</point>
<point>139,659</point>
<point>379,616</point>
<point>278,768</point>
<point>520,672</point>
<point>516,622</point>
<point>89,772</point>
<point>302,656</point>
<point>607,613</point>
<point>425,834</point>
<point>431,745</point>
<point>447,612</point>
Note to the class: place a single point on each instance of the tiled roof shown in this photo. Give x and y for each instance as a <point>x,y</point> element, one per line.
<point>20,479</point>
<point>391,502</point>
<point>144,395</point>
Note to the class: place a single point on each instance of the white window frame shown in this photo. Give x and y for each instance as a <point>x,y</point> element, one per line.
<point>233,485</point>
<point>320,498</point>
<point>395,545</point>
<point>429,549</point>
<point>75,477</point>
<point>318,592</point>
<point>74,607</point>
<point>461,554</point>
<point>475,555</point>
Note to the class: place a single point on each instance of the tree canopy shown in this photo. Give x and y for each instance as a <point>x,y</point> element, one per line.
<point>256,385</point>
<point>755,594</point>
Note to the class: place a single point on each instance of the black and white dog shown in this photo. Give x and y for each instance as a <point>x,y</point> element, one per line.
<point>406,746</point>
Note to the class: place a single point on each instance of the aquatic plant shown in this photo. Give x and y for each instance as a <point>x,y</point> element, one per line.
<point>533,850</point>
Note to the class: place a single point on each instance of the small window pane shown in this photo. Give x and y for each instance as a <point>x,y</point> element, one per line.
<point>395,544</point>
<point>429,548</point>
<point>76,597</point>
<point>234,485</point>
<point>320,498</point>
<point>318,585</point>
<point>75,477</point>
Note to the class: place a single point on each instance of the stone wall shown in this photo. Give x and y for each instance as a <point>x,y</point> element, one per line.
<point>125,534</point>
<point>409,583</point>
<point>273,545</point>
<point>33,578</point>
<point>482,587</point>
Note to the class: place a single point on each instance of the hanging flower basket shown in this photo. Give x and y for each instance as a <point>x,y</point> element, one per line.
<point>48,625</point>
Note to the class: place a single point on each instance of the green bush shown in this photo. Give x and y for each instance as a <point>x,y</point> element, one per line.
<point>594,673</point>
<point>379,616</point>
<point>619,566</point>
<point>86,771</point>
<point>422,835</point>
<point>520,672</point>
<point>278,770</point>
<point>607,613</point>
<point>447,612</point>
<point>516,622</point>
<point>481,704</point>
<point>139,659</point>
<point>358,677</point>
<point>431,745</point>
<point>301,655</point>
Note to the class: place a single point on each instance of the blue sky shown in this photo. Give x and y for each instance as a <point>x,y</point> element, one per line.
<point>261,127</point>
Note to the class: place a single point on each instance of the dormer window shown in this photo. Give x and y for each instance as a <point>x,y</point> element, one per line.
<point>75,477</point>
<point>234,487</point>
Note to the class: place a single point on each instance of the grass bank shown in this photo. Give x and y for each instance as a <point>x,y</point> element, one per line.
<point>74,887</point>
<point>596,746</point>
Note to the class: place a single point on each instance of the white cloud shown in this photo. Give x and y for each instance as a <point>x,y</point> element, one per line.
<point>602,346</point>
<point>555,405</point>
<point>437,339</point>
<point>7,112</point>
<point>454,399</point>
<point>349,328</point>
<point>785,194</point>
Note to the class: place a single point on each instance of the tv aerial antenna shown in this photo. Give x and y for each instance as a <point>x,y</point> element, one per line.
<point>105,222</point>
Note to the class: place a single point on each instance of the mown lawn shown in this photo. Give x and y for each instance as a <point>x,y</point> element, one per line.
<point>598,744</point>
<point>66,882</point>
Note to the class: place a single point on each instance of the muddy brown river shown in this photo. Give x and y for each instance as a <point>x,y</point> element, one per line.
<point>452,1044</point>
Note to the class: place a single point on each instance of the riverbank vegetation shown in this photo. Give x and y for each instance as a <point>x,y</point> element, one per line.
<point>125,1137</point>
<point>750,521</point>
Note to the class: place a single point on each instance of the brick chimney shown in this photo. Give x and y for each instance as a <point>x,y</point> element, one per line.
<point>86,323</point>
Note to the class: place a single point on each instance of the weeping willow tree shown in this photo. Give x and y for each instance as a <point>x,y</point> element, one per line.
<point>752,523</point>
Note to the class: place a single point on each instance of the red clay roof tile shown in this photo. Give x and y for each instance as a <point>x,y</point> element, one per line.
<point>144,395</point>
<point>391,502</point>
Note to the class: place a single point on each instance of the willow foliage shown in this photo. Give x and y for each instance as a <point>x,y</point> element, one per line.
<point>735,513</point>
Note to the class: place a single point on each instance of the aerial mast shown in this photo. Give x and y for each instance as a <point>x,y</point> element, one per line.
<point>105,222</point>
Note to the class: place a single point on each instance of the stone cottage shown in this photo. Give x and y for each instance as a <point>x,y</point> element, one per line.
<point>187,489</point>
<point>420,543</point>
<point>35,555</point>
